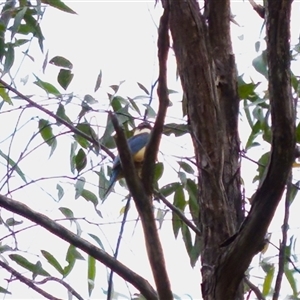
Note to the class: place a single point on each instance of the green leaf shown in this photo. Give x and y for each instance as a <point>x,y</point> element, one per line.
<point>4,95</point>
<point>176,129</point>
<point>59,5</point>
<point>247,90</point>
<point>12,222</point>
<point>182,177</point>
<point>195,251</point>
<point>143,88</point>
<point>60,191</point>
<point>4,291</point>
<point>187,238</point>
<point>87,129</point>
<point>192,189</point>
<point>61,61</point>
<point>158,171</point>
<point>9,58</point>
<point>47,134</point>
<point>102,183</point>
<point>268,281</point>
<point>298,133</point>
<point>289,274</point>
<point>72,156</point>
<point>91,273</point>
<point>180,203</point>
<point>5,248</point>
<point>52,261</point>
<point>79,185</point>
<point>186,167</point>
<point>263,162</point>
<point>169,189</point>
<point>17,21</point>
<point>47,87</point>
<point>98,81</point>
<point>151,113</point>
<point>89,99</point>
<point>96,238</point>
<point>89,196</point>
<point>64,78</point>
<point>260,64</point>
<point>36,269</point>
<point>62,114</point>
<point>73,253</point>
<point>34,27</point>
<point>14,166</point>
<point>134,106</point>
<point>80,160</point>
<point>66,212</point>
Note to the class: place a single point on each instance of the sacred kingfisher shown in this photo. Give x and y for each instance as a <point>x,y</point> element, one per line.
<point>137,146</point>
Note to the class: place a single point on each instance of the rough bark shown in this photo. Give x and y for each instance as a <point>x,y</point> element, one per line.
<point>207,70</point>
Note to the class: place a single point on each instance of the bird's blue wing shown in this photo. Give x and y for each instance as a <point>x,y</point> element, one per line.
<point>135,144</point>
<point>138,142</point>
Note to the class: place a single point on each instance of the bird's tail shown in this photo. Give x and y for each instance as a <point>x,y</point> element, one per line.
<point>112,181</point>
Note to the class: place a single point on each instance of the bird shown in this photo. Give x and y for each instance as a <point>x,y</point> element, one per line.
<point>137,147</point>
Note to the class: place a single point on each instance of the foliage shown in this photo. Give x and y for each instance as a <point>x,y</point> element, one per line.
<point>67,121</point>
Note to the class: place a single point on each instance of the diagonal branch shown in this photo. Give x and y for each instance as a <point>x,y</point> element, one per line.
<point>143,204</point>
<point>250,238</point>
<point>163,95</point>
<point>89,138</point>
<point>23,210</point>
<point>27,281</point>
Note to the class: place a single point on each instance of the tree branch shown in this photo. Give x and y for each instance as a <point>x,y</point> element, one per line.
<point>27,281</point>
<point>57,118</point>
<point>66,285</point>
<point>250,238</point>
<point>282,249</point>
<point>163,96</point>
<point>258,8</point>
<point>179,213</point>
<point>143,204</point>
<point>23,210</point>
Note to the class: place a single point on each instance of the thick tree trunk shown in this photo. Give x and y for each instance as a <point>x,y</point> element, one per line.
<point>208,75</point>
<point>207,70</point>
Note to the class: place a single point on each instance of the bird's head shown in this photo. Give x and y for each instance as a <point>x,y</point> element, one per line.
<point>144,127</point>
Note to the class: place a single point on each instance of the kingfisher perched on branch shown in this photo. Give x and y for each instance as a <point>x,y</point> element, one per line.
<point>137,146</point>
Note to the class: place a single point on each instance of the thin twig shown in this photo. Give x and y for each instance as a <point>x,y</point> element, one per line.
<point>66,285</point>
<point>110,280</point>
<point>255,289</point>
<point>178,212</point>
<point>285,227</point>
<point>27,281</point>
<point>90,138</point>
<point>258,8</point>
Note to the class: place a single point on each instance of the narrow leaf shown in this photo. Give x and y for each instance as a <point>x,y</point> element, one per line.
<point>52,261</point>
<point>14,166</point>
<point>89,196</point>
<point>91,273</point>
<point>61,61</point>
<point>80,160</point>
<point>98,81</point>
<point>79,187</point>
<point>60,191</point>
<point>9,58</point>
<point>143,88</point>
<point>59,5</point>
<point>66,212</point>
<point>47,87</point>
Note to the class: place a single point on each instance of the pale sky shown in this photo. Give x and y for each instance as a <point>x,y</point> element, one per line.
<point>120,39</point>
